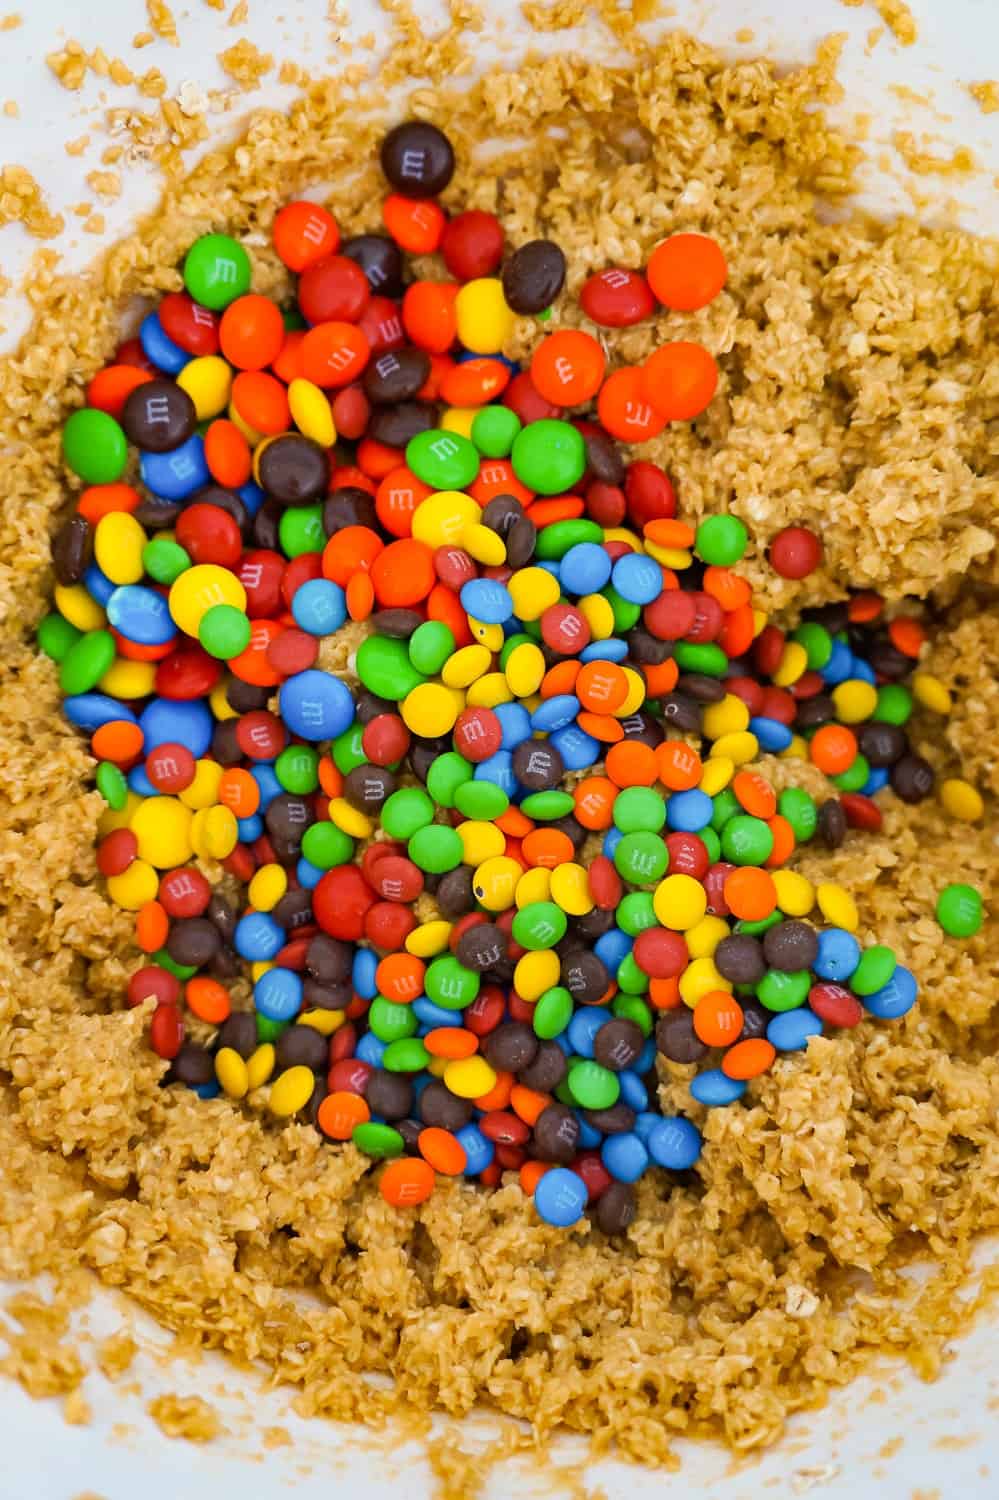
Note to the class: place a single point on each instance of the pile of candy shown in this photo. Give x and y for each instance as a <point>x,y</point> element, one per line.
<point>440,973</point>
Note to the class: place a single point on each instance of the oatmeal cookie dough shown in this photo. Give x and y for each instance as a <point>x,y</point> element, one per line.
<point>859,380</point>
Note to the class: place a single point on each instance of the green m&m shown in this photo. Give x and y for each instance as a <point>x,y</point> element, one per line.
<point>959,910</point>
<point>631,1007</point>
<point>297,769</point>
<point>494,429</point>
<point>325,845</point>
<point>553,1013</point>
<point>164,560</point>
<point>482,800</point>
<point>630,978</point>
<point>894,704</point>
<point>301,530</point>
<point>112,785</point>
<point>430,645</point>
<point>407,1055</point>
<point>447,773</point>
<point>94,446</point>
<point>86,661</point>
<point>216,271</point>
<point>444,460</point>
<point>548,456</point>
<point>384,667</point>
<point>636,912</point>
<point>180,971</point>
<point>746,840</point>
<point>799,809</point>
<point>546,806</point>
<point>707,659</point>
<point>539,924</point>
<point>436,849</point>
<point>268,1030</point>
<point>779,991</point>
<point>641,858</point>
<point>593,1086</point>
<point>855,776</point>
<point>347,749</point>
<point>377,1140</point>
<point>626,613</point>
<point>391,1022</point>
<point>57,637</point>
<point>721,540</point>
<point>726,806</point>
<point>637,808</point>
<point>224,631</point>
<point>876,966</point>
<point>555,540</point>
<point>817,642</point>
<point>406,811</point>
<point>449,984</point>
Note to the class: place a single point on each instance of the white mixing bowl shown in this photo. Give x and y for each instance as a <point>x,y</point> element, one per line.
<point>949,1432</point>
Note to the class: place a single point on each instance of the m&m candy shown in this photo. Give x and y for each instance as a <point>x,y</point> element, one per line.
<point>405,642</point>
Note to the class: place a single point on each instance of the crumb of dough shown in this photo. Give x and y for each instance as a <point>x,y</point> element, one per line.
<point>106,185</point>
<point>958,164</point>
<point>910,96</point>
<point>858,384</point>
<point>799,1302</point>
<point>77,146</point>
<point>22,202</point>
<point>182,131</point>
<point>245,62</point>
<point>42,1364</point>
<point>804,1480</point>
<point>115,1354</point>
<point>152,84</point>
<point>142,39</point>
<point>460,1472</point>
<point>161,19</point>
<point>239,13</point>
<point>192,100</point>
<point>873,36</point>
<point>69,65</point>
<point>11,109</point>
<point>89,1495</point>
<point>11,21</point>
<point>899,19</point>
<point>291,72</point>
<point>189,1417</point>
<point>987,95</point>
<point>554,17</point>
<point>76,1410</point>
<point>276,1437</point>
